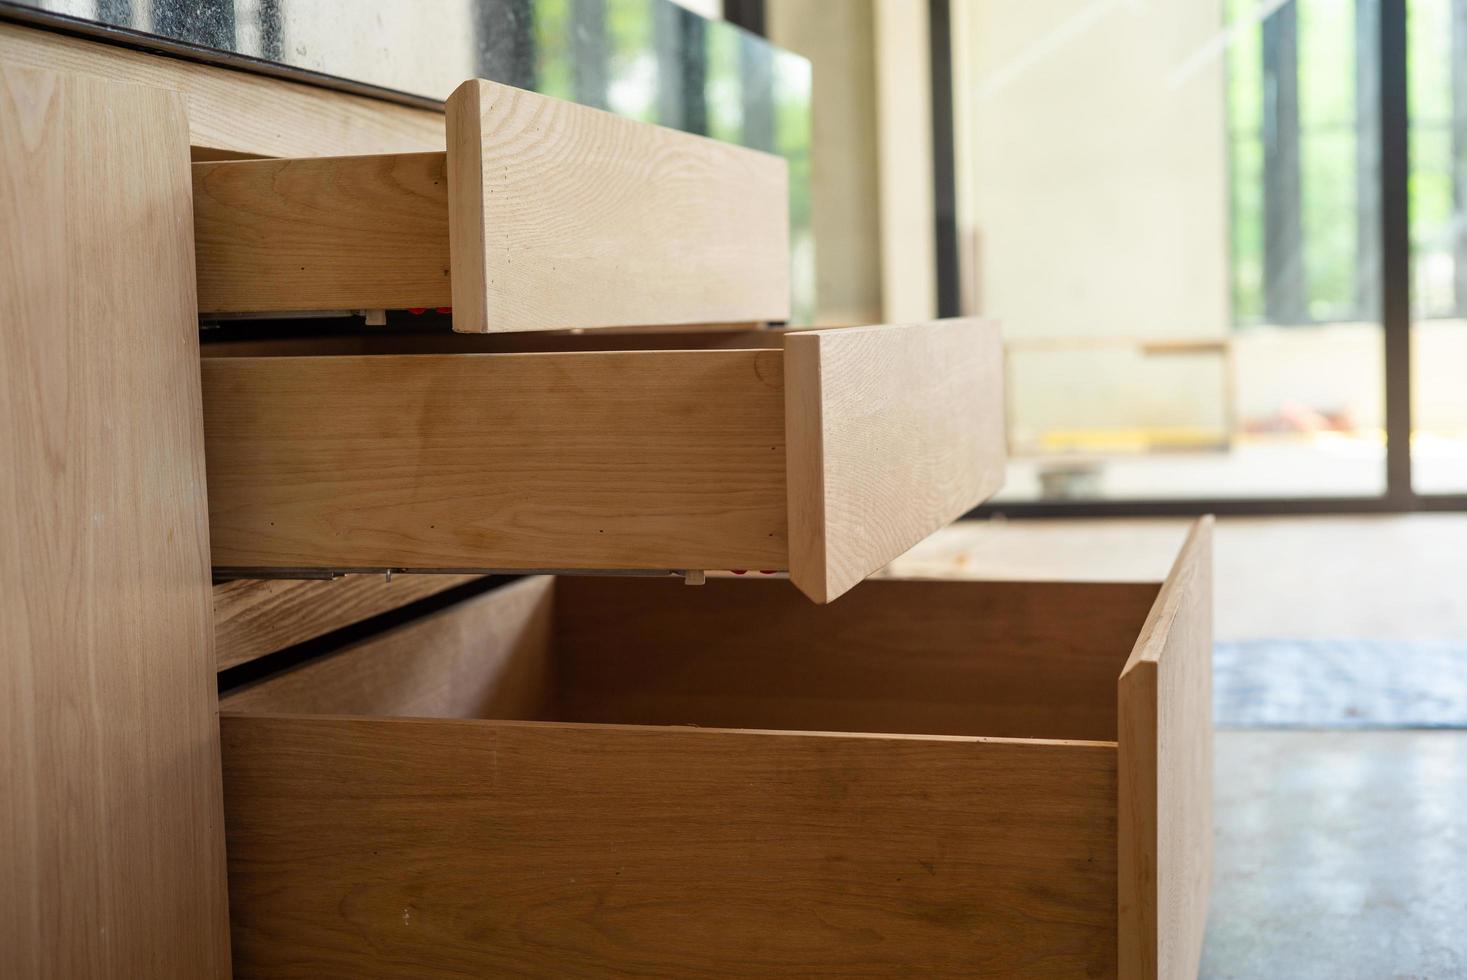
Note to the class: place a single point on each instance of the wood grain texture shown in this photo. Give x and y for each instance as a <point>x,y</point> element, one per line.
<point>111,826</point>
<point>239,111</point>
<point>253,617</point>
<point>648,459</point>
<point>1012,659</point>
<point>892,432</point>
<point>407,848</point>
<point>485,657</point>
<point>567,216</point>
<point>1165,786</point>
<point>326,233</point>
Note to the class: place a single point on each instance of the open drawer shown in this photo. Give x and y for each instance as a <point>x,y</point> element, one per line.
<point>828,454</point>
<point>542,214</point>
<point>678,782</point>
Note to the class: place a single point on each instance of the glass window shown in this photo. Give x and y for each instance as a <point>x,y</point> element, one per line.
<point>1176,215</point>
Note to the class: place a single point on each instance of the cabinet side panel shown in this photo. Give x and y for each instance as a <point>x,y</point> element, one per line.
<point>111,825</point>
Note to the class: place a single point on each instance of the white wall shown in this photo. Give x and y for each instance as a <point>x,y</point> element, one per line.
<point>1093,192</point>
<point>837,37</point>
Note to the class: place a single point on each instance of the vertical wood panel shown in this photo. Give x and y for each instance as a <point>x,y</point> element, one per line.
<point>891,432</point>
<point>1165,729</point>
<point>111,826</point>
<point>566,216</point>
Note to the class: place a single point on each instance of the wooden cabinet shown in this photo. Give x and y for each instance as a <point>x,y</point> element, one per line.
<point>562,775</point>
<point>630,776</point>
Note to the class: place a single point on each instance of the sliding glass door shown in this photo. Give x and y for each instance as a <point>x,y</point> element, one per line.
<point>1190,218</point>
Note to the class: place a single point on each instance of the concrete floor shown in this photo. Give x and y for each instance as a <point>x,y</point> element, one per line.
<point>1339,856</point>
<point>1376,577</point>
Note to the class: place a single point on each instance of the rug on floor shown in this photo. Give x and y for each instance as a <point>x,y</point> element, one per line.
<point>1339,684</point>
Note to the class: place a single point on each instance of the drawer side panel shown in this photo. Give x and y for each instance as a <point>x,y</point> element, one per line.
<point>395,847</point>
<point>330,233</point>
<point>485,657</point>
<point>253,617</point>
<point>620,460</point>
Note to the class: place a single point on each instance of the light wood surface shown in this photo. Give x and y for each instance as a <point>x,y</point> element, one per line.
<point>328,233</point>
<point>892,432</point>
<point>1061,550</point>
<point>239,111</point>
<point>1015,659</point>
<point>111,843</point>
<point>485,657</point>
<point>622,459</point>
<point>253,617</point>
<point>566,216</point>
<point>1165,789</point>
<point>439,848</point>
<point>649,459</point>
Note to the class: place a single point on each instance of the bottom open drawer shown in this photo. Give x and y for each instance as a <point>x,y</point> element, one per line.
<point>670,788</point>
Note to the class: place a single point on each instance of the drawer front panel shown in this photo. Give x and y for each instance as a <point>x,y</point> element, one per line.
<point>893,432</point>
<point>566,216</point>
<point>1165,708</point>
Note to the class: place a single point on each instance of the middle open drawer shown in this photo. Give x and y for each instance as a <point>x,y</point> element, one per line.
<point>826,453</point>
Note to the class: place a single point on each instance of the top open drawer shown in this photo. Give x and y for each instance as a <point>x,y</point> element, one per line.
<point>541,215</point>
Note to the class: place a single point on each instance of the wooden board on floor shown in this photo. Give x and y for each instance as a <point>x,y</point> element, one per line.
<point>236,110</point>
<point>1165,775</point>
<point>253,617</point>
<point>441,848</point>
<point>892,432</point>
<point>485,657</point>
<point>1014,659</point>
<point>638,459</point>
<point>327,233</point>
<point>566,216</point>
<point>111,830</point>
